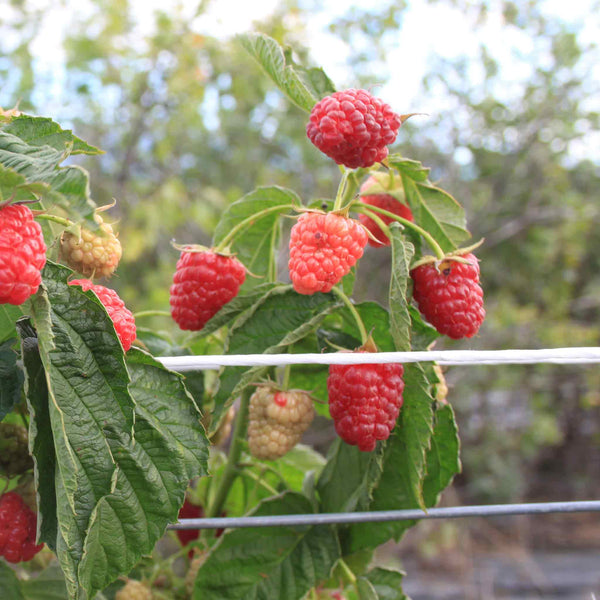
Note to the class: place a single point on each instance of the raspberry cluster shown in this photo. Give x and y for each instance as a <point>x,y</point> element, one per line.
<point>92,253</point>
<point>353,128</point>
<point>449,296</point>
<point>14,450</point>
<point>323,248</point>
<point>203,283</point>
<point>22,254</point>
<point>364,401</point>
<point>277,421</point>
<point>121,316</point>
<point>18,526</point>
<point>386,202</point>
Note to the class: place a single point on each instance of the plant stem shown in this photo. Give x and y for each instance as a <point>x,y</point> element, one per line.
<point>55,219</point>
<point>361,326</point>
<point>339,197</point>
<point>151,313</point>
<point>384,228</point>
<point>235,452</point>
<point>249,221</point>
<point>439,253</point>
<point>347,571</point>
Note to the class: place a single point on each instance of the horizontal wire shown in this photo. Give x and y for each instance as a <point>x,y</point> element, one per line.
<point>456,512</point>
<point>560,356</point>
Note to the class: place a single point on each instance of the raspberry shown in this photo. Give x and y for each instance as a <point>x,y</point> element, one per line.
<point>14,450</point>
<point>134,590</point>
<point>22,254</point>
<point>189,511</point>
<point>440,389</point>
<point>353,128</point>
<point>364,401</point>
<point>18,525</point>
<point>203,283</point>
<point>115,307</point>
<point>450,297</point>
<point>387,202</point>
<point>91,253</point>
<point>195,564</point>
<point>277,421</point>
<point>323,248</point>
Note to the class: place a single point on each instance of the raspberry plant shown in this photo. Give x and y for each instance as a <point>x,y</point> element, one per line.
<point>119,442</point>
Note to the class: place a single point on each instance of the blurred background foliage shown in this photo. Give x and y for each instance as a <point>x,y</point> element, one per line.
<point>189,124</point>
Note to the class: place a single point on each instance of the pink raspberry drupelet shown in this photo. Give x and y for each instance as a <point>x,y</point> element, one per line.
<point>353,128</point>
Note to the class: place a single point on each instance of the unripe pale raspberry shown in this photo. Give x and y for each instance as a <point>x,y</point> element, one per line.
<point>440,389</point>
<point>134,590</point>
<point>364,401</point>
<point>14,450</point>
<point>121,316</point>
<point>449,296</point>
<point>190,577</point>
<point>277,421</point>
<point>18,525</point>
<point>92,253</point>
<point>22,254</point>
<point>387,202</point>
<point>203,283</point>
<point>353,128</point>
<point>323,248</point>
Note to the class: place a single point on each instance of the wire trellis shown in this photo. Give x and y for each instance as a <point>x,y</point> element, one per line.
<point>559,356</point>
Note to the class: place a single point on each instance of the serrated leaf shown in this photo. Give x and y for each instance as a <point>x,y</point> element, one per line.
<point>387,583</point>
<point>9,584</point>
<point>411,168</point>
<point>401,482</point>
<point>262,563</point>
<point>117,484</point>
<point>437,212</point>
<point>162,399</point>
<point>423,334</point>
<point>255,245</point>
<point>365,588</point>
<point>402,253</point>
<point>303,87</point>
<point>8,317</point>
<point>47,585</point>
<point>11,378</point>
<point>277,320</point>
<point>42,131</point>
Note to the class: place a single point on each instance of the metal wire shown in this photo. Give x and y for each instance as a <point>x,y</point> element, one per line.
<point>443,357</point>
<point>455,512</point>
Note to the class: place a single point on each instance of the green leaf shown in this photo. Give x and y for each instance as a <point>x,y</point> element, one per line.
<point>11,378</point>
<point>410,168</point>
<point>387,583</point>
<point>347,481</point>
<point>255,244</point>
<point>8,317</point>
<point>437,212</point>
<point>41,439</point>
<point>277,320</point>
<point>9,584</point>
<point>41,131</point>
<point>404,463</point>
<point>423,334</point>
<point>262,563</point>
<point>162,400</point>
<point>119,481</point>
<point>48,585</point>
<point>402,253</point>
<point>304,87</point>
<point>365,588</point>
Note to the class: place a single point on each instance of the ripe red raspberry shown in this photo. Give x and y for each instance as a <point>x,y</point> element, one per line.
<point>189,511</point>
<point>22,254</point>
<point>203,283</point>
<point>364,401</point>
<point>115,307</point>
<point>323,248</point>
<point>353,128</point>
<point>277,421</point>
<point>387,202</point>
<point>450,297</point>
<point>18,524</point>
<point>92,253</point>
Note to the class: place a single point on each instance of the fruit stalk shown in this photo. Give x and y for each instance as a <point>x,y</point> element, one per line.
<point>364,336</point>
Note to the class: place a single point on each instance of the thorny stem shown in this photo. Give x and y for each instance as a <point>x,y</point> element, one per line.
<point>232,468</point>
<point>249,221</point>
<point>439,253</point>
<point>359,323</point>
